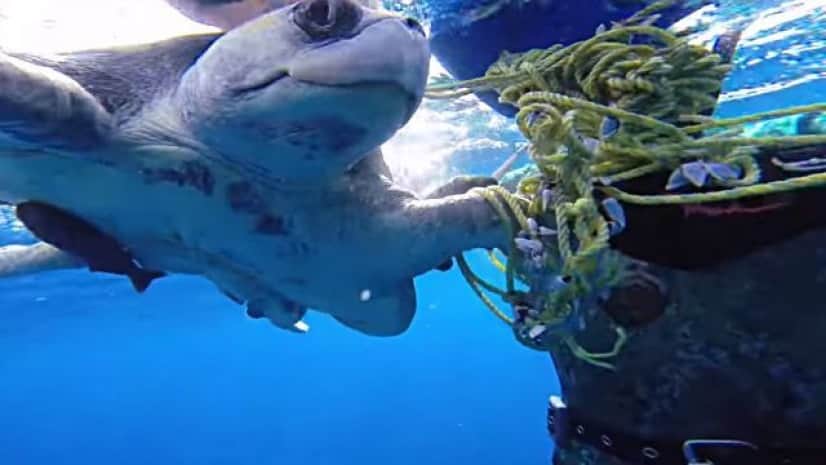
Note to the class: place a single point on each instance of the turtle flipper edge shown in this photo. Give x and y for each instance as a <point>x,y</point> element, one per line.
<point>43,108</point>
<point>380,313</point>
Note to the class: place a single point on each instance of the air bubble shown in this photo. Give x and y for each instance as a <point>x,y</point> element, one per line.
<point>365,295</point>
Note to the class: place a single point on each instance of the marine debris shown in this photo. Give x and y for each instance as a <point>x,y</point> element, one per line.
<point>631,101</point>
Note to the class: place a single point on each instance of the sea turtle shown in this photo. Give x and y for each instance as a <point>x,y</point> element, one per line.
<point>250,157</point>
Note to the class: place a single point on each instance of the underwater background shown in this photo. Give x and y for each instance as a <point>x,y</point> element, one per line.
<point>92,373</point>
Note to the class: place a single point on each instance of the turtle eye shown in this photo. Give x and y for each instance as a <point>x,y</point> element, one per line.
<point>325,19</point>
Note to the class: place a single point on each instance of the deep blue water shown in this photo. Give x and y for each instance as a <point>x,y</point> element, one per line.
<point>92,373</point>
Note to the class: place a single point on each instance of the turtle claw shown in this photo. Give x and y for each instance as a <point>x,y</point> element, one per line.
<point>281,312</point>
<point>300,327</point>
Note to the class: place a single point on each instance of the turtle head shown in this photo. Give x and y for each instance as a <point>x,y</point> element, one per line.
<point>305,91</point>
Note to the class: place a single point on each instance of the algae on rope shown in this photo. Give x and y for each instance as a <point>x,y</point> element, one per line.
<point>654,88</point>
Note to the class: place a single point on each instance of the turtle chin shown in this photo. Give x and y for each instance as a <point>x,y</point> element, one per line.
<point>305,131</point>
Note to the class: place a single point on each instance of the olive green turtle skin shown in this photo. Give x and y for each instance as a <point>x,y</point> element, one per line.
<point>250,157</point>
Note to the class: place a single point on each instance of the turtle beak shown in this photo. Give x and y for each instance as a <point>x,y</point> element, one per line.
<point>363,57</point>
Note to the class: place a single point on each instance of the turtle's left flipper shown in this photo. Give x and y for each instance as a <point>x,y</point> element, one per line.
<point>18,260</point>
<point>456,186</point>
<point>44,108</point>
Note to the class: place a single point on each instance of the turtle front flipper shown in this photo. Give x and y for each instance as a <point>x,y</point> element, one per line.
<point>41,108</point>
<point>438,229</point>
<point>19,260</point>
<point>456,186</point>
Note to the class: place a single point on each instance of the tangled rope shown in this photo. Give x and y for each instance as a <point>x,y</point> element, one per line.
<point>629,102</point>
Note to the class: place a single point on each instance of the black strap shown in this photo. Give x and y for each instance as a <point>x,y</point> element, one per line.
<point>565,425</point>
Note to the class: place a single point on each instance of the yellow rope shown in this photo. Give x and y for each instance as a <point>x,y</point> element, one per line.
<point>474,281</point>
<point>786,185</point>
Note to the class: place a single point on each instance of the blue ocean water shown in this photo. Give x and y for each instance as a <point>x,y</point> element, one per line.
<point>92,373</point>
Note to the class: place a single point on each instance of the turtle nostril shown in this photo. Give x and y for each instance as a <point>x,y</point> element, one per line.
<point>323,19</point>
<point>415,25</point>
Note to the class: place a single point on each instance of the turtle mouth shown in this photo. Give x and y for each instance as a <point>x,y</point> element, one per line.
<point>411,99</point>
<point>281,75</point>
<point>262,84</point>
